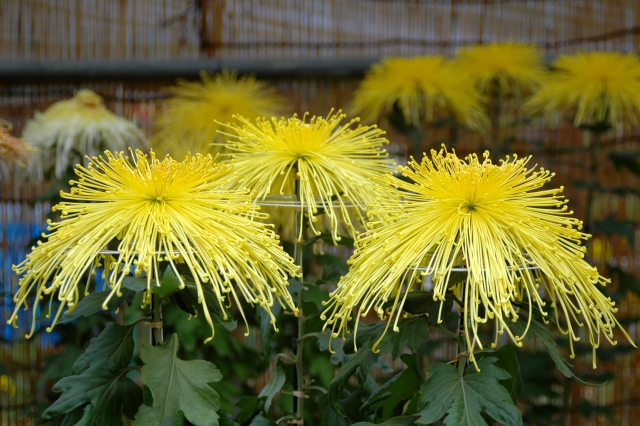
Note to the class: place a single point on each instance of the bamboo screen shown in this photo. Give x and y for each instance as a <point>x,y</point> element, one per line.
<point>56,30</point>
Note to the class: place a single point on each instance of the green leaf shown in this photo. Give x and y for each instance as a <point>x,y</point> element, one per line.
<point>508,361</point>
<point>260,420</point>
<point>114,343</point>
<point>395,421</point>
<point>626,160</point>
<point>248,406</point>
<point>267,329</point>
<point>134,284</point>
<point>400,388</point>
<point>333,267</point>
<point>187,300</point>
<point>540,331</point>
<point>178,385</point>
<point>105,387</point>
<point>92,303</point>
<point>363,360</point>
<point>273,386</point>
<point>410,334</point>
<point>79,415</point>
<point>168,284</point>
<point>227,420</point>
<point>463,398</point>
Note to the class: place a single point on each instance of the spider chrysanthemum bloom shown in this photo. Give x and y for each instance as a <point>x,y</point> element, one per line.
<point>156,211</point>
<point>514,67</point>
<point>70,129</point>
<point>12,149</point>
<point>193,115</point>
<point>420,86</point>
<point>494,220</point>
<point>332,165</point>
<point>597,87</point>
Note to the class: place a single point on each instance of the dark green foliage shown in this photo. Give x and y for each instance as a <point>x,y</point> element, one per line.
<point>105,387</point>
<point>178,386</point>
<point>115,343</point>
<point>400,388</point>
<point>92,304</point>
<point>462,399</point>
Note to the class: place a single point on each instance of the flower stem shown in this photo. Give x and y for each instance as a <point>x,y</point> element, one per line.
<point>462,341</point>
<point>298,384</point>
<point>156,320</point>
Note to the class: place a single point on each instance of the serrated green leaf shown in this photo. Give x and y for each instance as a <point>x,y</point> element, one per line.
<point>329,416</point>
<point>105,387</point>
<point>507,359</point>
<point>78,416</point>
<point>395,421</point>
<point>363,360</point>
<point>399,389</point>
<point>92,303</point>
<point>409,335</point>
<point>178,385</point>
<point>273,386</point>
<point>267,329</point>
<point>463,398</point>
<point>115,343</point>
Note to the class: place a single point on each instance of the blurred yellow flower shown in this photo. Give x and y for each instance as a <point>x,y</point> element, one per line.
<point>70,129</point>
<point>598,87</point>
<point>495,222</point>
<point>514,67</point>
<point>194,114</point>
<point>420,86</point>
<point>156,211</point>
<point>333,165</point>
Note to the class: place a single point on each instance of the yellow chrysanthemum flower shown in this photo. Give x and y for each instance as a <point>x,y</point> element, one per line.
<point>333,164</point>
<point>514,67</point>
<point>598,87</point>
<point>70,129</point>
<point>194,115</point>
<point>157,211</point>
<point>495,222</point>
<point>12,149</point>
<point>420,86</point>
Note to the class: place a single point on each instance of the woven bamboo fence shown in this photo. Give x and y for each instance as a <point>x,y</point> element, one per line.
<point>70,30</point>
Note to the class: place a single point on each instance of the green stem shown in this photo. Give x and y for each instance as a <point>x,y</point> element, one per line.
<point>462,341</point>
<point>298,388</point>
<point>156,320</point>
